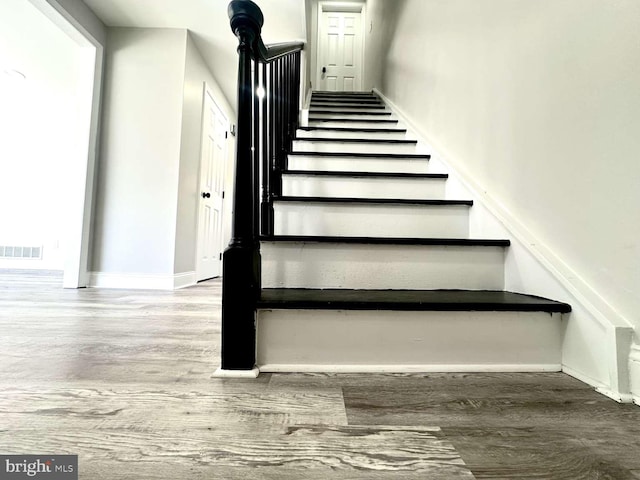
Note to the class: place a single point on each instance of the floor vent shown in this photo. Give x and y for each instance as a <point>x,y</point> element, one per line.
<point>8,251</point>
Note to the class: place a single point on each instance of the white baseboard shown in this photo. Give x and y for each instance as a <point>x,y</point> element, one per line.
<point>506,368</point>
<point>634,373</point>
<point>601,352</point>
<point>220,373</point>
<point>142,281</point>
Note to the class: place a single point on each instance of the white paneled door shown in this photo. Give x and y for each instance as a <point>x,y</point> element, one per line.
<point>340,51</point>
<point>214,153</point>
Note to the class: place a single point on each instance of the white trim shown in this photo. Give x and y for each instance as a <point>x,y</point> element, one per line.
<point>76,274</point>
<point>599,387</point>
<point>471,368</point>
<point>220,373</point>
<point>634,373</point>
<point>618,331</point>
<point>142,281</point>
<point>332,6</point>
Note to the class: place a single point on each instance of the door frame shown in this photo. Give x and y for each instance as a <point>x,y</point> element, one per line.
<point>329,6</point>
<point>208,91</point>
<point>78,242</point>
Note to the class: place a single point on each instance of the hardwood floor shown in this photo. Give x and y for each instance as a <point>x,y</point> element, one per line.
<point>123,379</point>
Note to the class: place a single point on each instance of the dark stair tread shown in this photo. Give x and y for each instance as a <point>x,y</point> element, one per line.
<point>443,242</point>
<point>342,173</point>
<point>354,129</point>
<point>385,201</point>
<point>407,300</point>
<point>348,92</point>
<point>360,120</point>
<point>347,112</point>
<point>372,105</point>
<point>343,101</point>
<point>356,140</point>
<point>360,155</point>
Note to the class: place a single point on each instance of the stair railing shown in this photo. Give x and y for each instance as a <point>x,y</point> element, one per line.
<point>268,104</point>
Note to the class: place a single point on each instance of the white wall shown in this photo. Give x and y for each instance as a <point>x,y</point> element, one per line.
<point>536,103</point>
<point>195,76</point>
<point>40,117</point>
<point>148,180</point>
<point>135,221</point>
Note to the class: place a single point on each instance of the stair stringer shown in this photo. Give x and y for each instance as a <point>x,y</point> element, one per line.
<point>596,339</point>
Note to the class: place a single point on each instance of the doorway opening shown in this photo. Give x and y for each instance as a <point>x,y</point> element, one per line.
<point>49,96</point>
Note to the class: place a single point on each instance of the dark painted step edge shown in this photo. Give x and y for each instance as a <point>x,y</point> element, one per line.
<point>362,120</point>
<point>347,92</point>
<point>354,129</point>
<point>340,173</point>
<point>346,112</point>
<point>549,306</point>
<point>360,102</point>
<point>401,141</point>
<point>361,155</point>
<point>445,242</point>
<point>381,201</point>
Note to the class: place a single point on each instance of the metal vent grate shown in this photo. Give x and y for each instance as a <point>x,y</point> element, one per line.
<point>9,251</point>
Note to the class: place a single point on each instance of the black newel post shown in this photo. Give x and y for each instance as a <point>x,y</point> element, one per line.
<point>241,260</point>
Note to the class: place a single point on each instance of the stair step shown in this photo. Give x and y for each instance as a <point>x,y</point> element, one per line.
<point>329,173</point>
<point>327,330</point>
<point>321,93</point>
<point>354,129</point>
<point>303,183</point>
<point>359,122</point>
<point>446,242</point>
<point>347,104</point>
<point>407,300</point>
<point>346,132</point>
<point>332,262</point>
<point>422,156</point>
<point>348,112</point>
<point>357,140</point>
<point>346,162</point>
<point>379,201</point>
<point>356,105</point>
<point>358,217</point>
<point>356,145</point>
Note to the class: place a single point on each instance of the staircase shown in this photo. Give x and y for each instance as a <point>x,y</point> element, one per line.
<point>370,266</point>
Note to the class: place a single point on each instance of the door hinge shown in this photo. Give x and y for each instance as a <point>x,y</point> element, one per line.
<point>220,255</point>
<point>226,134</point>
<point>223,194</point>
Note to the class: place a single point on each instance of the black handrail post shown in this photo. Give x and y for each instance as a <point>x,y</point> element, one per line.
<point>241,260</point>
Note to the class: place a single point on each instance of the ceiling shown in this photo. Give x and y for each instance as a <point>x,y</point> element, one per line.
<point>209,25</point>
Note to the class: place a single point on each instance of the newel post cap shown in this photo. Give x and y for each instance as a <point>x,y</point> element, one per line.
<point>245,13</point>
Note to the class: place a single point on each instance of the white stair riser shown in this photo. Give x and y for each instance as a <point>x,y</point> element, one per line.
<point>346,164</point>
<point>381,267</point>
<point>334,340</point>
<point>338,123</point>
<point>339,116</point>
<point>306,146</point>
<point>364,187</point>
<point>306,218</point>
<point>339,134</point>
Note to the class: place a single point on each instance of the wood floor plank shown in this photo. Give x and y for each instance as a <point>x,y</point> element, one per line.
<point>353,452</point>
<point>153,409</point>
